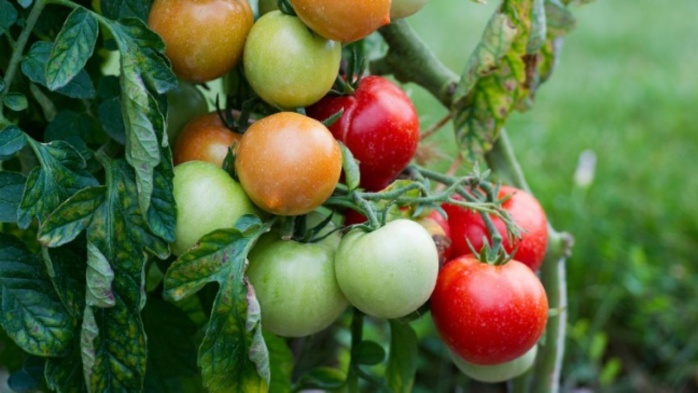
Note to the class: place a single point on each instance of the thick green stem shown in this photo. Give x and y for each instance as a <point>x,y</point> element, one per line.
<point>19,51</point>
<point>409,59</point>
<point>357,327</point>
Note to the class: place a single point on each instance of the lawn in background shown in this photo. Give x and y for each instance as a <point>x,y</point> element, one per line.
<point>625,96</point>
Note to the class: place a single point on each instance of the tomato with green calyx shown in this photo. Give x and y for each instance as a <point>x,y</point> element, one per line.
<point>343,20</point>
<point>204,39</point>
<point>379,125</point>
<point>289,164</point>
<point>488,314</point>
<point>404,8</point>
<point>497,372</point>
<point>183,104</point>
<point>295,284</point>
<point>468,226</point>
<point>390,272</point>
<point>286,64</point>
<point>207,199</point>
<point>205,138</point>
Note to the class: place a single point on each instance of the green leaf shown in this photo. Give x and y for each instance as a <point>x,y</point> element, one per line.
<point>72,127</point>
<point>12,140</point>
<point>369,353</point>
<point>109,113</point>
<point>2,85</point>
<point>325,378</point>
<point>34,67</point>
<point>32,314</point>
<point>8,16</point>
<point>61,174</point>
<point>73,47</point>
<point>11,186</point>
<point>114,344</point>
<point>65,375</point>
<point>559,18</point>
<point>171,347</point>
<point>352,174</point>
<point>538,27</point>
<point>11,355</point>
<point>280,364</point>
<point>16,102</point>
<point>119,9</point>
<point>233,357</point>
<point>67,270</point>
<point>402,359</point>
<point>29,377</point>
<point>162,213</point>
<point>25,3</point>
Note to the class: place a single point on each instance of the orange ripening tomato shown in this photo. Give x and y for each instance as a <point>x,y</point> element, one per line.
<point>204,38</point>
<point>204,138</point>
<point>343,20</point>
<point>288,164</point>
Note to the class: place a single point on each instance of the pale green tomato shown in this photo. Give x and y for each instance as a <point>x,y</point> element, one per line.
<point>404,8</point>
<point>207,199</point>
<point>497,372</point>
<point>390,272</point>
<point>295,284</point>
<point>288,65</point>
<point>184,103</point>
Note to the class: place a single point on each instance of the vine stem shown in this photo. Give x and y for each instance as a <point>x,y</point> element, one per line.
<point>357,326</point>
<point>410,60</point>
<point>18,51</point>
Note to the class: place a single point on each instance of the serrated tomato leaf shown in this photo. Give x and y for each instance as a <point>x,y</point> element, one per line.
<point>233,356</point>
<point>402,358</point>
<point>61,174</point>
<point>73,47</point>
<point>34,68</point>
<point>32,314</point>
<point>113,338</point>
<point>119,9</point>
<point>11,186</point>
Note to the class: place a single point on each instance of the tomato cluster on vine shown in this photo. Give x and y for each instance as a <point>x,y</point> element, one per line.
<point>286,161</point>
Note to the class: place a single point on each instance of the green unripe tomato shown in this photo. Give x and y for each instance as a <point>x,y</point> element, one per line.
<point>497,372</point>
<point>390,272</point>
<point>404,8</point>
<point>295,284</point>
<point>183,104</point>
<point>207,199</point>
<point>288,65</point>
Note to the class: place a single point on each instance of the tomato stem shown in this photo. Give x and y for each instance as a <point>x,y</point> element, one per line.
<point>357,326</point>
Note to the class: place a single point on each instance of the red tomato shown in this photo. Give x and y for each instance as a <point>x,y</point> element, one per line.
<point>379,125</point>
<point>525,211</point>
<point>204,138</point>
<point>488,314</point>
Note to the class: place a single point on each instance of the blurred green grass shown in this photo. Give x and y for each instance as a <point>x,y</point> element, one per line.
<point>626,91</point>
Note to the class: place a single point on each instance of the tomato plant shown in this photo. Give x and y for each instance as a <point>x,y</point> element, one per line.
<point>288,163</point>
<point>390,272</point>
<point>379,125</point>
<point>204,39</point>
<point>183,104</point>
<point>467,226</point>
<point>207,199</point>
<point>497,372</point>
<point>314,300</point>
<point>343,20</point>
<point>204,138</point>
<point>488,314</point>
<point>288,65</point>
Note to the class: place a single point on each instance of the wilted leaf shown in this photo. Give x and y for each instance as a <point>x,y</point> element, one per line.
<point>71,50</point>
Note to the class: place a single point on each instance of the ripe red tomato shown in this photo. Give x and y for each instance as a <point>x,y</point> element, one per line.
<point>204,138</point>
<point>525,211</point>
<point>488,314</point>
<point>343,20</point>
<point>204,38</point>
<point>379,125</point>
<point>288,163</point>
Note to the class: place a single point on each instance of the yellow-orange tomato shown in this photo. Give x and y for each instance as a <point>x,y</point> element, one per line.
<point>343,20</point>
<point>204,138</point>
<point>204,38</point>
<point>288,164</point>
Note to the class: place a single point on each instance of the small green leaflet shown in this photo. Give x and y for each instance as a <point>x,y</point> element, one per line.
<point>12,140</point>
<point>113,338</point>
<point>32,313</point>
<point>233,356</point>
<point>350,168</point>
<point>402,359</point>
<point>61,174</point>
<point>8,16</point>
<point>73,47</point>
<point>11,186</point>
<point>34,66</point>
<point>16,102</point>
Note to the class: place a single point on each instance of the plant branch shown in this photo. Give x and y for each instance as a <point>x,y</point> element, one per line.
<point>19,50</point>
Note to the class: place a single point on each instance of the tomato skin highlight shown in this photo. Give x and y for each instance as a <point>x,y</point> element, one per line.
<point>204,38</point>
<point>525,211</point>
<point>379,125</point>
<point>204,138</point>
<point>488,314</point>
<point>288,164</point>
<point>343,20</point>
